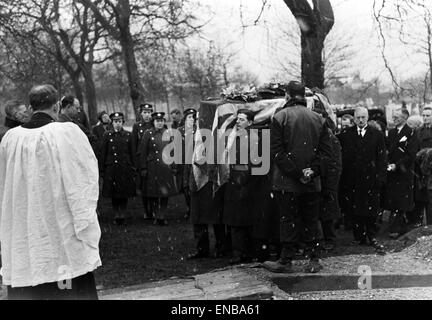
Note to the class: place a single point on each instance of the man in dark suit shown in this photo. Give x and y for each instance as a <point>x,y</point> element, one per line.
<point>402,148</point>
<point>364,162</point>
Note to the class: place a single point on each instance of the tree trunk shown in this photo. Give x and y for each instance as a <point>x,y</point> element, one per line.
<point>312,66</point>
<point>77,87</point>
<point>90,92</point>
<point>315,24</point>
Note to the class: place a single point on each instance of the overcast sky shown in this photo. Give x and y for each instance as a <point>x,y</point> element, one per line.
<point>352,17</point>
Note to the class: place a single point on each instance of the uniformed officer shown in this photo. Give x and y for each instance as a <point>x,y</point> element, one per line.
<point>117,168</point>
<point>157,176</point>
<point>139,128</point>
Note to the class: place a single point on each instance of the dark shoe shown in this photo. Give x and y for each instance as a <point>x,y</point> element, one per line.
<point>219,254</point>
<point>313,266</point>
<point>278,266</point>
<point>328,246</point>
<point>359,242</point>
<point>300,252</point>
<point>198,255</point>
<point>418,225</point>
<point>162,222</point>
<point>394,235</point>
<point>119,221</point>
<point>379,248</point>
<point>240,260</point>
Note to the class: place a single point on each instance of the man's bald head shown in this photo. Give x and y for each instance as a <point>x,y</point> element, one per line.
<point>361,116</point>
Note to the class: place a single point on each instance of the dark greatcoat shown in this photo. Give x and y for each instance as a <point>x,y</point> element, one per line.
<point>239,198</point>
<point>424,140</point>
<point>159,181</point>
<point>400,183</point>
<point>138,131</point>
<point>116,165</point>
<point>332,169</point>
<point>364,162</point>
<point>99,131</point>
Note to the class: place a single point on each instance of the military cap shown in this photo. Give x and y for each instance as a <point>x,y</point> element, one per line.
<point>158,115</point>
<point>296,88</point>
<point>116,115</point>
<point>249,114</point>
<point>189,111</point>
<point>145,107</point>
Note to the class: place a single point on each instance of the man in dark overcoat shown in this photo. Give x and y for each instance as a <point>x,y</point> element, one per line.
<point>364,162</point>
<point>422,197</point>
<point>117,167</point>
<point>158,181</point>
<point>402,148</point>
<point>299,141</point>
<point>329,200</point>
<point>139,128</point>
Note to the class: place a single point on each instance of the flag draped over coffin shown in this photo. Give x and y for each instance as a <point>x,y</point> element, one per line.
<point>224,115</point>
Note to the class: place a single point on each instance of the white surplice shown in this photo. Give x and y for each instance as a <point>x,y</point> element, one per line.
<point>49,190</point>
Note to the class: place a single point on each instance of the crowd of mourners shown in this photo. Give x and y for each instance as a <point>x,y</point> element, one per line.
<point>322,176</point>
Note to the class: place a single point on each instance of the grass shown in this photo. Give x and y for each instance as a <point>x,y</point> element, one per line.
<point>140,251</point>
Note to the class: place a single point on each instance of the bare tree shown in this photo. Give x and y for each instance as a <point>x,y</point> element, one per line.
<point>315,24</point>
<point>44,24</point>
<point>407,23</point>
<point>165,19</point>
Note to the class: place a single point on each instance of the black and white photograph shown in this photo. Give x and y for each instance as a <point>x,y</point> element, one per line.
<point>232,152</point>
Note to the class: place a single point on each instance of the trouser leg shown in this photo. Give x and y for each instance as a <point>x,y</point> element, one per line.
<point>201,238</point>
<point>239,241</point>
<point>309,213</point>
<point>415,216</point>
<point>397,222</point>
<point>370,227</point>
<point>220,238</point>
<point>289,224</point>
<point>358,226</point>
<point>328,230</point>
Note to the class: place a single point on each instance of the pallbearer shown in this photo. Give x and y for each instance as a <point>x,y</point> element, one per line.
<point>157,176</point>
<point>239,199</point>
<point>117,168</point>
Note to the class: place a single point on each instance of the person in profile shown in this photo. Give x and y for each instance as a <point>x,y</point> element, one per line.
<point>49,231</point>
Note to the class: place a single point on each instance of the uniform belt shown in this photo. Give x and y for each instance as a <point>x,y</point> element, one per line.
<point>240,167</point>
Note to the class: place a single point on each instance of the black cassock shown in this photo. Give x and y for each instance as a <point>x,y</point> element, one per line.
<point>402,149</point>
<point>364,163</point>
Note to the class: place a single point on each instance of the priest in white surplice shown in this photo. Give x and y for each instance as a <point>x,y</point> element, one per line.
<point>49,231</point>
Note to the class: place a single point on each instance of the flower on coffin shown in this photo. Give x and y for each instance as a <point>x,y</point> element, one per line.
<point>246,93</point>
